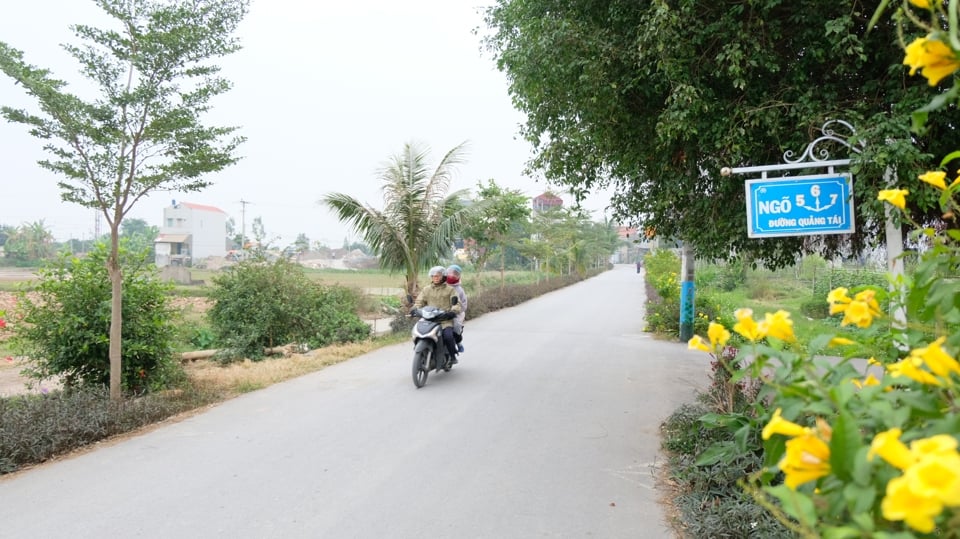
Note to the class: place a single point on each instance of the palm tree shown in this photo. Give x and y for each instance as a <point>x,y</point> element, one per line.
<point>420,219</point>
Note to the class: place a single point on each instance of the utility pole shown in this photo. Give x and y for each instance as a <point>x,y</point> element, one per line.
<point>687,292</point>
<point>243,223</point>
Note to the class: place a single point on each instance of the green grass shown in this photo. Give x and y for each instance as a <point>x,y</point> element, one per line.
<point>767,292</point>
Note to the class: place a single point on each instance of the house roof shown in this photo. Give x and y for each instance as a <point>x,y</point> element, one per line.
<point>202,207</point>
<point>549,198</point>
<point>172,238</point>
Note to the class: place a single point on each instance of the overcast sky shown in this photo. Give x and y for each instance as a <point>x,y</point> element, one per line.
<point>325,93</point>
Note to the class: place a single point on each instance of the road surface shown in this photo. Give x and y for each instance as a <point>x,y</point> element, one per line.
<point>547,428</point>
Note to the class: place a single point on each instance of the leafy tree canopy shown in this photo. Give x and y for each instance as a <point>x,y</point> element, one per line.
<point>154,78</point>
<point>655,97</point>
<point>500,211</point>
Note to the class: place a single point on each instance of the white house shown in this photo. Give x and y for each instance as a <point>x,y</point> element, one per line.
<point>190,232</point>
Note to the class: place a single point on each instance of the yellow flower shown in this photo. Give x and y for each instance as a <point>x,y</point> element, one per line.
<point>870,380</point>
<point>746,325</point>
<point>873,361</point>
<point>869,297</point>
<point>807,458</point>
<point>897,197</point>
<point>936,359</point>
<point>861,310</point>
<point>718,335</point>
<point>779,425</point>
<point>697,343</point>
<point>887,444</point>
<point>940,444</point>
<point>838,300</point>
<point>923,4</point>
<point>935,179</point>
<point>902,503</point>
<point>910,367</point>
<point>838,295</point>
<point>840,341</point>
<point>779,325</point>
<point>933,56</point>
<point>936,476</point>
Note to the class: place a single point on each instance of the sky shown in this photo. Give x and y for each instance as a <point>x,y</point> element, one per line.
<point>324,92</point>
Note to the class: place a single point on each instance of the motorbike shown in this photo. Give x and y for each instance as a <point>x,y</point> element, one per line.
<point>429,353</point>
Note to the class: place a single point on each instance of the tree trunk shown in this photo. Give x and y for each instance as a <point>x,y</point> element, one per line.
<point>116,312</point>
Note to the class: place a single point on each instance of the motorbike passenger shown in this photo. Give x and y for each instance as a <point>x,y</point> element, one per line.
<point>442,296</point>
<point>453,279</point>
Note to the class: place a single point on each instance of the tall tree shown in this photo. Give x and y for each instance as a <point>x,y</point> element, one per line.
<point>144,131</point>
<point>500,211</point>
<point>654,98</point>
<point>420,218</point>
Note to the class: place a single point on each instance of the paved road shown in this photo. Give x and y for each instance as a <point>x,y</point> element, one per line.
<point>547,428</point>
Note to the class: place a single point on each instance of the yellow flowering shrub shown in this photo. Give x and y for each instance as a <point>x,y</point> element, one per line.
<point>868,447</point>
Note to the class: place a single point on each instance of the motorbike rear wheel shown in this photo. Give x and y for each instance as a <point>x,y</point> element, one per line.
<point>421,367</point>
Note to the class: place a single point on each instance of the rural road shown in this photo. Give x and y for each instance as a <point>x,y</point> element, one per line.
<point>547,428</point>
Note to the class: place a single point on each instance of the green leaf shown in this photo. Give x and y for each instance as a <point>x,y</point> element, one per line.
<point>859,498</point>
<point>718,452</point>
<point>940,100</point>
<point>922,403</point>
<point>865,521</point>
<point>844,445</point>
<point>773,451</point>
<point>713,420</point>
<point>795,503</point>
<point>949,157</point>
<point>862,468</point>
<point>918,121</point>
<point>741,437</point>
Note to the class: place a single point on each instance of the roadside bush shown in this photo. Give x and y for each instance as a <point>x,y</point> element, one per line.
<point>202,337</point>
<point>66,323</point>
<point>261,305</point>
<point>495,298</point>
<point>816,309</point>
<point>732,275</point>
<point>34,428</point>
<point>707,497</point>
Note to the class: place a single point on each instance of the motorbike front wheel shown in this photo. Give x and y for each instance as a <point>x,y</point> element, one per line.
<point>421,366</point>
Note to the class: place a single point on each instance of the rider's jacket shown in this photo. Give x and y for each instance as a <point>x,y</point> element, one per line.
<point>439,296</point>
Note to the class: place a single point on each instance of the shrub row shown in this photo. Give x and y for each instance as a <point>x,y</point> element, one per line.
<point>707,498</point>
<point>493,299</point>
<point>35,428</point>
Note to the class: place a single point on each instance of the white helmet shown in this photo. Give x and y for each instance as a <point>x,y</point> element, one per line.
<point>436,270</point>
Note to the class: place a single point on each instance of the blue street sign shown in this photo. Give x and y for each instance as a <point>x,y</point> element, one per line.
<point>800,206</point>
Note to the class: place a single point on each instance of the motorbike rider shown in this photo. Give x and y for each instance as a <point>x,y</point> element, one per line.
<point>453,279</point>
<point>442,296</point>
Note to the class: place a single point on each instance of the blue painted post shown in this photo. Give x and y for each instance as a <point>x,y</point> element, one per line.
<point>687,294</point>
